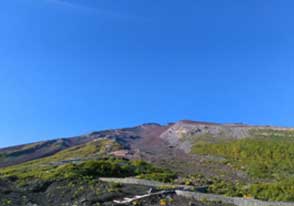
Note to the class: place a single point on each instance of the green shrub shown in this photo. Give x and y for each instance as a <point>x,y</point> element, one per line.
<point>90,169</point>
<point>161,177</point>
<point>267,155</point>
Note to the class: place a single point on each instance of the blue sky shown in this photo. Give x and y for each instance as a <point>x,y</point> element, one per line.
<point>73,66</point>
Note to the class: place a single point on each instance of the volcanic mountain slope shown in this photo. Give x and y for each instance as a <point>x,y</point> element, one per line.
<point>125,137</point>
<point>151,142</point>
<point>148,138</point>
<point>230,159</point>
<point>166,145</point>
<point>19,154</point>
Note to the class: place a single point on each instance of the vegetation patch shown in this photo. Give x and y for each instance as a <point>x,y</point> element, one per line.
<point>91,169</point>
<point>267,156</point>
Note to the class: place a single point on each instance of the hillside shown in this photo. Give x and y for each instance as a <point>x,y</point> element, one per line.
<point>228,159</point>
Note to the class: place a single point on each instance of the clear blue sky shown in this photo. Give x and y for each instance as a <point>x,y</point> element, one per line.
<point>72,66</point>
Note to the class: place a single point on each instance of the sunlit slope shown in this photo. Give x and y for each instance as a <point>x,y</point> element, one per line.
<point>266,155</point>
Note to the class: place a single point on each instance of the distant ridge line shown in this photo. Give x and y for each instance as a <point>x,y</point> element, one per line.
<point>234,125</point>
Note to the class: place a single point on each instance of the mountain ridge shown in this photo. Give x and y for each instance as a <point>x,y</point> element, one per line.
<point>149,133</point>
<point>187,121</point>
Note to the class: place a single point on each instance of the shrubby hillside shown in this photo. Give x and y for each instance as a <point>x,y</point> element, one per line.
<point>228,159</point>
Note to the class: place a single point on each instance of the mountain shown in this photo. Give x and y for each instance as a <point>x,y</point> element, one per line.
<point>228,159</point>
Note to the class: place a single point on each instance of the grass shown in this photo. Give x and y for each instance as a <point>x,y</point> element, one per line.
<point>94,161</point>
<point>44,168</point>
<point>267,156</point>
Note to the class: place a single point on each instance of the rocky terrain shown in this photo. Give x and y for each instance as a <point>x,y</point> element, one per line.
<point>66,171</point>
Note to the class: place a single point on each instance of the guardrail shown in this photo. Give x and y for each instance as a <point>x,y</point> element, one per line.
<point>230,200</point>
<point>181,191</point>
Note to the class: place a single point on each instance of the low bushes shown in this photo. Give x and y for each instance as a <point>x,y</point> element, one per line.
<point>268,157</point>
<point>93,169</point>
<point>115,168</point>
